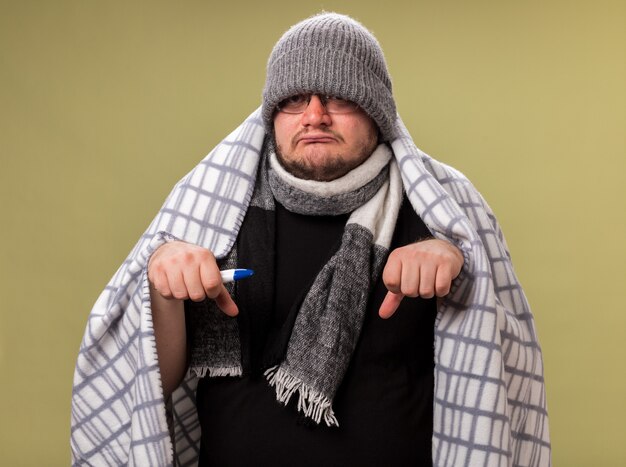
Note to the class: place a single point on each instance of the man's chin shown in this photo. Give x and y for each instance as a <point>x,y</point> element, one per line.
<point>319,171</point>
<point>318,174</point>
<point>320,162</point>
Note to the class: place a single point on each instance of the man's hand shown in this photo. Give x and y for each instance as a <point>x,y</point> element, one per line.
<point>422,269</point>
<point>184,271</point>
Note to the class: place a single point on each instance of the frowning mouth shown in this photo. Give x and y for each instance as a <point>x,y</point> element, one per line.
<point>309,139</point>
<point>317,137</point>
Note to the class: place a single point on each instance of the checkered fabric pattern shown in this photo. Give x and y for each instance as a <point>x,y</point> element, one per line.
<point>118,414</point>
<point>490,404</point>
<point>489,407</point>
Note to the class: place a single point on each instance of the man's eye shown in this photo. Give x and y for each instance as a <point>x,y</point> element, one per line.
<point>299,99</point>
<point>336,100</point>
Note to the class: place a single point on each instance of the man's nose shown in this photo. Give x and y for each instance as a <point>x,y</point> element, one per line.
<point>315,114</point>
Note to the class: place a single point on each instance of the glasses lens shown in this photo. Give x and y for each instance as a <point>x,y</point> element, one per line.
<point>337,105</point>
<point>294,104</point>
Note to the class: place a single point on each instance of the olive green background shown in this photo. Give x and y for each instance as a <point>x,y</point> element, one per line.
<point>105,105</point>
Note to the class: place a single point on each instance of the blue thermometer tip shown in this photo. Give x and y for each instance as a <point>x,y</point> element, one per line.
<point>242,273</point>
<point>230,275</point>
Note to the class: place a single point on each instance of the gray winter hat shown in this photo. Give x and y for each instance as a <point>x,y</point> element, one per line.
<point>335,55</point>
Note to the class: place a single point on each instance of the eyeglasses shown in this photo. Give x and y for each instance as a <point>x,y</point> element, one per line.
<point>334,105</point>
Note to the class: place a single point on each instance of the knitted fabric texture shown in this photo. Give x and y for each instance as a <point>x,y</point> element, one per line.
<point>329,322</point>
<point>340,196</point>
<point>489,398</point>
<point>335,55</point>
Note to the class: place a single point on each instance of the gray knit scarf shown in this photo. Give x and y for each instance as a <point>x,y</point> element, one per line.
<point>329,321</point>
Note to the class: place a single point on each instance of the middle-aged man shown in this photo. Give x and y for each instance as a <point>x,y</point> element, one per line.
<point>384,324</point>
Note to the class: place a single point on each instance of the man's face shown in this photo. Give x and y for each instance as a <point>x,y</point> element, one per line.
<point>316,145</point>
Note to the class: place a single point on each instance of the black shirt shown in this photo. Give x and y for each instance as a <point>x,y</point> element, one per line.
<point>384,403</point>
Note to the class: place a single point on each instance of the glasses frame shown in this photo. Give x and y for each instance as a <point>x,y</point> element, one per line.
<point>324,99</point>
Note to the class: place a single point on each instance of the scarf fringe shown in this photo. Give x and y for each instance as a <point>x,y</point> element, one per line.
<point>203,371</point>
<point>311,403</point>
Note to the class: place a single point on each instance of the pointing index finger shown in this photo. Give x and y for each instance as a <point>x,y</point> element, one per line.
<point>390,304</point>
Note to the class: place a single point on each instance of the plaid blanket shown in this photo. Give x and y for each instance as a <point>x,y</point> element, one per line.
<point>489,398</point>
